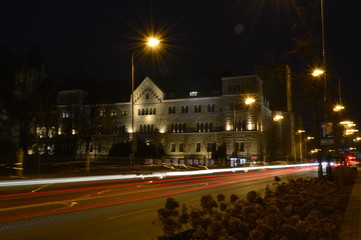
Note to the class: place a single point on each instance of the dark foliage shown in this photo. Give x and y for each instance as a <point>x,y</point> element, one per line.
<point>301,209</point>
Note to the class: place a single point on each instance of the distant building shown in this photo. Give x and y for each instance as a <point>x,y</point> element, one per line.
<point>287,138</point>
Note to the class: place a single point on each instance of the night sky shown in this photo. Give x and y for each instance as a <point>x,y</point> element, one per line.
<point>198,36</point>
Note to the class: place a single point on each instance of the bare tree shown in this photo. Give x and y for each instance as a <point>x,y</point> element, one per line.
<point>30,93</point>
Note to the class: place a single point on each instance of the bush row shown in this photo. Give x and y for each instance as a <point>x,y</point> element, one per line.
<point>298,209</point>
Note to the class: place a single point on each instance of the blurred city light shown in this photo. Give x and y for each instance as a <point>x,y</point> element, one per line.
<point>249,100</point>
<point>277,117</point>
<point>317,72</point>
<point>338,108</point>
<point>152,42</point>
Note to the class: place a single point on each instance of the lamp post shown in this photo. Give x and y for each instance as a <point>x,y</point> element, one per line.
<point>278,152</point>
<point>151,42</point>
<point>319,73</point>
<point>339,107</point>
<point>249,101</point>
<point>324,58</point>
<point>300,133</point>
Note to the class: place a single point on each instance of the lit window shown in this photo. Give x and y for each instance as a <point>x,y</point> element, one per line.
<point>51,132</point>
<point>193,94</point>
<point>65,115</point>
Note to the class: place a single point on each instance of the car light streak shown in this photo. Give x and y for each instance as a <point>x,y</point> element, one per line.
<point>132,199</point>
<point>161,175</point>
<point>122,185</point>
<point>118,194</point>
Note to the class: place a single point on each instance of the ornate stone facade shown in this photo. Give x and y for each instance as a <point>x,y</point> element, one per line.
<point>190,127</point>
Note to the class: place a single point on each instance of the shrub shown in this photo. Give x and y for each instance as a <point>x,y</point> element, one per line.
<point>301,209</point>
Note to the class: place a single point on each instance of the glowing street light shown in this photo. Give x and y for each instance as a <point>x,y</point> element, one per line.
<point>317,72</point>
<point>338,108</point>
<point>249,100</point>
<point>350,131</point>
<point>346,123</point>
<point>153,42</point>
<point>277,117</point>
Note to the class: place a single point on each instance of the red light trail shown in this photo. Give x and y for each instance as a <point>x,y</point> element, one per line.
<point>16,206</point>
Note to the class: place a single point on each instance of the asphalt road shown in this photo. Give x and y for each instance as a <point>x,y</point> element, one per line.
<point>117,209</point>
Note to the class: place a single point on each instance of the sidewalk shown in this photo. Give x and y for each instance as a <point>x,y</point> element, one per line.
<point>351,227</point>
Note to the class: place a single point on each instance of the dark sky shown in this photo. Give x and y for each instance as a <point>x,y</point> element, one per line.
<point>198,36</point>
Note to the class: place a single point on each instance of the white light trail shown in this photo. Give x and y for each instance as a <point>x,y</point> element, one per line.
<point>29,182</point>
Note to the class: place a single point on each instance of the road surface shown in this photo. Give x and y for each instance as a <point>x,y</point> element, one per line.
<point>117,209</point>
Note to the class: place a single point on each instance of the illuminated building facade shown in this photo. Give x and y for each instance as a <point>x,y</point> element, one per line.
<point>191,127</point>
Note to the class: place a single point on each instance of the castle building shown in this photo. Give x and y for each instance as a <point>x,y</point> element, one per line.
<point>188,128</point>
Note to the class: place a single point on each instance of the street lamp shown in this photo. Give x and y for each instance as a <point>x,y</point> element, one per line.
<point>320,73</point>
<point>151,42</point>
<point>300,134</point>
<point>339,107</point>
<point>277,117</point>
<point>249,101</point>
<point>317,72</point>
